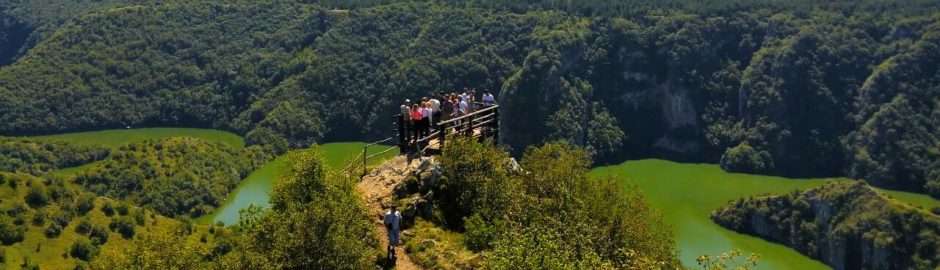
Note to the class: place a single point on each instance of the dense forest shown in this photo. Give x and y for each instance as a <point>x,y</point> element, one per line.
<point>845,225</point>
<point>177,176</point>
<point>799,89</point>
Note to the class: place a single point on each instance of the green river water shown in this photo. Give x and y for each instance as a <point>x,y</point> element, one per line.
<point>684,193</point>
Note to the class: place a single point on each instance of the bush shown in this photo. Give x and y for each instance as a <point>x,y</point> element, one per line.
<point>82,249</point>
<point>9,232</point>
<point>53,231</point>
<point>475,180</point>
<point>37,196</point>
<point>479,233</point>
<point>17,210</point>
<point>83,227</point>
<point>746,159</point>
<point>85,203</point>
<point>39,218</point>
<point>124,226</point>
<point>328,207</point>
<point>62,218</point>
<point>98,235</point>
<point>107,209</point>
<point>140,217</point>
<point>122,209</point>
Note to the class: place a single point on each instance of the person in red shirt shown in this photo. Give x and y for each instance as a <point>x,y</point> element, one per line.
<point>416,117</point>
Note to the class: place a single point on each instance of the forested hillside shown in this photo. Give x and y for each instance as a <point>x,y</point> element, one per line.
<point>843,88</point>
<point>23,23</point>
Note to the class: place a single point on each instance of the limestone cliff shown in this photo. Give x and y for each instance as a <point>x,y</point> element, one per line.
<point>845,225</point>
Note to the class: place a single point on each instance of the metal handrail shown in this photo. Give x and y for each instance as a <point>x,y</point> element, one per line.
<point>477,112</point>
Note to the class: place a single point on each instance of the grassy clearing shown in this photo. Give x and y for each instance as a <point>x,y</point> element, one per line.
<point>435,248</point>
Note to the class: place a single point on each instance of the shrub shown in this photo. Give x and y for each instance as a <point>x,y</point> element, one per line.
<point>82,249</point>
<point>746,159</point>
<point>37,196</point>
<point>62,218</point>
<point>53,231</point>
<point>83,227</point>
<point>122,208</point>
<point>140,217</point>
<point>98,235</point>
<point>107,209</point>
<point>17,210</point>
<point>124,226</point>
<point>85,203</point>
<point>10,233</point>
<point>310,198</point>
<point>39,218</point>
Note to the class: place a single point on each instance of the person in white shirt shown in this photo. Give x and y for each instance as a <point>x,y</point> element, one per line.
<point>489,99</point>
<point>392,223</point>
<point>406,120</point>
<point>435,110</point>
<point>428,115</point>
<point>463,106</point>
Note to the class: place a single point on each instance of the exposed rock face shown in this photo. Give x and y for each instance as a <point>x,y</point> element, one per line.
<point>845,225</point>
<point>403,182</point>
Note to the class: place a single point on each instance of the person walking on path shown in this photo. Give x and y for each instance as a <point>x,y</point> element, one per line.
<point>392,223</point>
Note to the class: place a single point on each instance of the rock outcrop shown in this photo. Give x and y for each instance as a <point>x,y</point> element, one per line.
<point>845,225</point>
<point>404,182</point>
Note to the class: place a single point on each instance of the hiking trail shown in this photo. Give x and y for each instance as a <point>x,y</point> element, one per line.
<point>378,192</point>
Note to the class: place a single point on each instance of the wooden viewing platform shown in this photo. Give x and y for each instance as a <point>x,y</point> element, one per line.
<point>482,123</point>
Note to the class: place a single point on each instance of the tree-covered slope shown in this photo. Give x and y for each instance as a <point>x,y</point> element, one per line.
<point>846,225</point>
<point>24,23</point>
<point>37,157</point>
<point>47,223</point>
<point>844,88</point>
<point>174,176</point>
<point>193,64</point>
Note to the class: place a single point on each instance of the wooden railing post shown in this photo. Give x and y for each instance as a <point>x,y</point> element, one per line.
<point>496,126</point>
<point>442,131</point>
<point>470,124</point>
<point>365,156</point>
<point>402,133</point>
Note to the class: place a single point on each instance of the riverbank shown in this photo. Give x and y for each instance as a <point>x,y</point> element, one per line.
<point>687,193</point>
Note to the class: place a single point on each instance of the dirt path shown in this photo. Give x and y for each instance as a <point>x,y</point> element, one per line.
<point>377,190</point>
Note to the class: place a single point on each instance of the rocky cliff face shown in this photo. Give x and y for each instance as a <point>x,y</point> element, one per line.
<point>845,225</point>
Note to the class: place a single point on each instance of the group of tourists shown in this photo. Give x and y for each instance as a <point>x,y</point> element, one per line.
<point>421,116</point>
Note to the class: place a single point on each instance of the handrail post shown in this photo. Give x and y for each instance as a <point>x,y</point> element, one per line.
<point>442,130</point>
<point>496,126</point>
<point>470,124</point>
<point>365,151</point>
<point>402,133</point>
